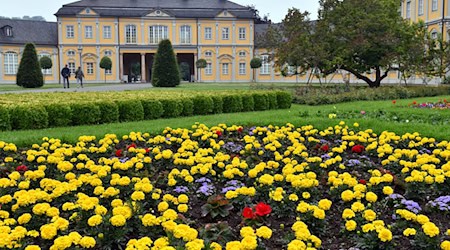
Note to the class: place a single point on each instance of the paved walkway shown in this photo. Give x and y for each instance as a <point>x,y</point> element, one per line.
<point>87,88</point>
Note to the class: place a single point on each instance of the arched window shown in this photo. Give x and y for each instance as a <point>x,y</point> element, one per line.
<point>71,53</point>
<point>157,33</point>
<point>434,34</point>
<point>185,34</point>
<point>108,53</point>
<point>11,63</point>
<point>208,53</point>
<point>130,34</point>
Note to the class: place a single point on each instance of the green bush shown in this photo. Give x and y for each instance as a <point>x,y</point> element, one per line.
<point>153,109</point>
<point>5,119</point>
<point>28,117</point>
<point>188,107</point>
<point>172,108</point>
<point>232,103</point>
<point>165,72</point>
<point>284,100</point>
<point>203,105</point>
<point>59,114</point>
<point>248,104</point>
<point>218,104</point>
<point>272,97</point>
<point>109,112</point>
<point>261,102</point>
<point>29,74</point>
<point>85,113</point>
<point>130,110</point>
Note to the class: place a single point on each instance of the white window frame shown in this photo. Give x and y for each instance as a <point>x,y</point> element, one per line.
<point>225,68</point>
<point>242,33</point>
<point>157,33</point>
<point>70,31</point>
<point>8,31</point>
<point>208,33</point>
<point>420,8</point>
<point>242,68</point>
<point>107,34</point>
<point>434,34</point>
<point>130,34</point>
<point>11,63</point>
<point>45,71</point>
<point>185,34</point>
<point>71,66</point>
<point>90,68</point>
<point>265,66</point>
<point>434,5</point>
<point>208,69</point>
<point>88,32</point>
<point>225,33</point>
<point>408,9</point>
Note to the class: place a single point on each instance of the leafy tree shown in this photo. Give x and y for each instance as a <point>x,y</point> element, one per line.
<point>29,74</point>
<point>255,63</point>
<point>165,68</point>
<point>200,64</point>
<point>106,64</point>
<point>45,62</point>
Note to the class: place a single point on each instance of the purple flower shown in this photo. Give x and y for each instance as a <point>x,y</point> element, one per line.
<point>353,162</point>
<point>396,196</point>
<point>123,160</point>
<point>203,180</point>
<point>325,157</point>
<point>181,189</point>
<point>206,189</point>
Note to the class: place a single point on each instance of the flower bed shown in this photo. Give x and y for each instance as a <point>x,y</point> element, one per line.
<point>442,104</point>
<point>228,188</point>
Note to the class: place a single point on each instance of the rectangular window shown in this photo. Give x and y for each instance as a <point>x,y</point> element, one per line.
<point>90,68</point>
<point>88,31</point>
<point>71,67</point>
<point>265,67</point>
<point>185,34</point>
<point>434,5</point>
<point>70,33</point>
<point>225,68</point>
<point>420,8</point>
<point>107,32</point>
<point>108,71</point>
<point>130,34</point>
<point>45,71</point>
<point>408,9</point>
<point>11,63</point>
<point>242,33</point>
<point>208,69</point>
<point>242,68</point>
<point>158,33</point>
<point>208,33</point>
<point>225,33</point>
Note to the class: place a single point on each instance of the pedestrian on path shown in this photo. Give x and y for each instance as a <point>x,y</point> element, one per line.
<point>79,75</point>
<point>65,73</point>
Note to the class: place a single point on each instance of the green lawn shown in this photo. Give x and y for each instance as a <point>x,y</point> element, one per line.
<point>275,117</point>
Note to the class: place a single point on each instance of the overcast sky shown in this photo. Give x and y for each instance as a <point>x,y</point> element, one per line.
<point>276,9</point>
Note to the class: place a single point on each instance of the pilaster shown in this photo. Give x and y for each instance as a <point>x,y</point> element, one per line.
<point>97,70</point>
<point>117,65</point>
<point>217,65</point>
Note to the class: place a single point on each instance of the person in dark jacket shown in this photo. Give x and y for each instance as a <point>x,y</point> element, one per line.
<point>79,75</point>
<point>65,73</point>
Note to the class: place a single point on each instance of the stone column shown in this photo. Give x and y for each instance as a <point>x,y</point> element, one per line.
<point>143,68</point>
<point>121,66</point>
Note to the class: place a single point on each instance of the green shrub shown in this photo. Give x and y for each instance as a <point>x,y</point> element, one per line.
<point>188,107</point>
<point>109,112</point>
<point>248,104</point>
<point>218,104</point>
<point>29,74</point>
<point>165,72</point>
<point>28,117</point>
<point>261,102</point>
<point>130,110</point>
<point>85,113</point>
<point>284,100</point>
<point>59,114</point>
<point>203,105</point>
<point>172,108</point>
<point>5,119</point>
<point>272,97</point>
<point>232,104</point>
<point>153,109</point>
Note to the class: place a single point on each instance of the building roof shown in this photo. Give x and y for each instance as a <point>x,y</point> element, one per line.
<point>29,31</point>
<point>139,8</point>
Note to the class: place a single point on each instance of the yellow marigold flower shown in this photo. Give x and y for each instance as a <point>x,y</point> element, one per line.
<point>264,232</point>
<point>368,227</point>
<point>233,245</point>
<point>215,246</point>
<point>430,229</point>
<point>163,206</point>
<point>422,219</point>
<point>358,206</point>
<point>249,242</point>
<point>247,231</point>
<point>409,231</point>
<point>183,208</point>
<point>350,225</point>
<point>306,195</point>
<point>296,245</point>
<point>370,215</point>
<point>371,197</point>
<point>87,242</point>
<point>24,218</point>
<point>48,231</point>
<point>266,179</point>
<point>100,210</point>
<point>95,220</point>
<point>385,235</point>
<point>196,244</point>
<point>150,220</point>
<point>445,245</point>
<point>118,220</point>
<point>138,196</point>
<point>182,198</point>
<point>348,214</point>
<point>448,232</point>
<point>293,197</point>
<point>325,204</point>
<point>388,190</point>
<point>347,195</point>
<point>170,214</point>
<point>32,247</point>
<point>319,213</point>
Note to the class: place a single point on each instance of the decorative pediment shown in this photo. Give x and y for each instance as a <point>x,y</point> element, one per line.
<point>88,12</point>
<point>226,57</point>
<point>158,13</point>
<point>225,14</point>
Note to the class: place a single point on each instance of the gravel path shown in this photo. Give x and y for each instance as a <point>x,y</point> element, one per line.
<point>73,88</point>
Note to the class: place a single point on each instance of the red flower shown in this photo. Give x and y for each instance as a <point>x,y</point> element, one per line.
<point>131,146</point>
<point>394,101</point>
<point>147,150</point>
<point>263,209</point>
<point>218,132</point>
<point>248,213</point>
<point>21,168</point>
<point>119,152</point>
<point>358,149</point>
<point>325,148</point>
<point>414,102</point>
<point>362,181</point>
<point>240,129</point>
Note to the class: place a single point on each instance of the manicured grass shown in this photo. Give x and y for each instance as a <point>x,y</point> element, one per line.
<point>275,117</point>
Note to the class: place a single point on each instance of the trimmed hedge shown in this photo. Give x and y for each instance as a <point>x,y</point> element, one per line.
<point>44,110</point>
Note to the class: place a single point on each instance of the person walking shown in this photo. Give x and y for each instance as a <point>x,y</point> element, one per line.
<point>79,75</point>
<point>65,73</point>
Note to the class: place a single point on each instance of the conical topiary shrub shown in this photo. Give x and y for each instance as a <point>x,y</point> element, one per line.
<point>29,74</point>
<point>165,72</point>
